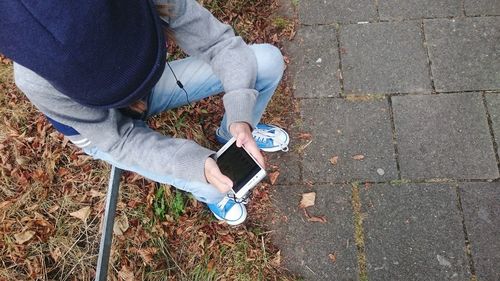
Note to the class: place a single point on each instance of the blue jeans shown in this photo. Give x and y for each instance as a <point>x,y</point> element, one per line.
<point>200,82</point>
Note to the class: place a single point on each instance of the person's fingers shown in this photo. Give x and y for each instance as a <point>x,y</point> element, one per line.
<point>220,177</point>
<point>240,131</point>
<point>243,134</point>
<point>240,140</point>
<point>254,150</point>
<point>219,184</point>
<point>216,178</point>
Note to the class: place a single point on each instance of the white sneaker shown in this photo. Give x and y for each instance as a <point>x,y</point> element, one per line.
<point>229,210</point>
<point>269,138</point>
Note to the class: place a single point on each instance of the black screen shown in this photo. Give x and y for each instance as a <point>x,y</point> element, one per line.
<point>236,164</point>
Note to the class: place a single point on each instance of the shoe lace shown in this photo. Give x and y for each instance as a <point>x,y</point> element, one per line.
<point>263,134</point>
<point>242,200</point>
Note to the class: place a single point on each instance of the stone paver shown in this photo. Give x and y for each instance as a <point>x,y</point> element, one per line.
<point>332,11</point>
<point>384,58</point>
<point>464,54</point>
<point>413,232</point>
<point>345,129</point>
<point>413,78</point>
<point>305,245</point>
<point>415,9</point>
<point>315,60</point>
<point>482,7</point>
<point>444,136</point>
<point>289,167</point>
<point>481,205</point>
<point>493,103</point>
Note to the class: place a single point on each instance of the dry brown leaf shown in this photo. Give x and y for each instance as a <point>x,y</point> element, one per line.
<point>273,177</point>
<point>126,274</point>
<point>307,200</point>
<point>82,214</point>
<point>334,160</point>
<point>5,204</point>
<point>121,225</point>
<point>23,237</point>
<point>321,219</point>
<point>96,193</point>
<point>304,136</point>
<point>210,265</point>
<point>333,257</point>
<point>358,157</point>
<point>276,261</point>
<point>148,254</point>
<point>56,254</point>
<point>53,209</point>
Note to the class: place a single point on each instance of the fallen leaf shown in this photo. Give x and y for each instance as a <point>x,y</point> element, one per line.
<point>276,261</point>
<point>56,254</point>
<point>53,209</point>
<point>96,193</point>
<point>304,136</point>
<point>273,177</point>
<point>358,157</point>
<point>82,214</point>
<point>132,203</point>
<point>307,200</point>
<point>333,257</point>
<point>210,265</point>
<point>148,254</point>
<point>23,237</point>
<point>334,160</point>
<point>5,204</point>
<point>62,172</point>
<point>321,219</point>
<point>121,225</point>
<point>126,273</point>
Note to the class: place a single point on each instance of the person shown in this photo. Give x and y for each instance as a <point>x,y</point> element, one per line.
<point>97,69</point>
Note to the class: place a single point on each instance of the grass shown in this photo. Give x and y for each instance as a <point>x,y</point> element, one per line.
<point>165,204</point>
<point>359,233</point>
<point>168,234</point>
<point>280,22</point>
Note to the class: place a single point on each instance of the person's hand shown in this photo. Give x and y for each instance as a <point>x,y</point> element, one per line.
<point>215,177</point>
<point>241,131</point>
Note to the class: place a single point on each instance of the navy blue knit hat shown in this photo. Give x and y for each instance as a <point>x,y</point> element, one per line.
<point>100,53</point>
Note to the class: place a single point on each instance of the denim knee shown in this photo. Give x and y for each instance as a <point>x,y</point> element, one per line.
<point>270,62</point>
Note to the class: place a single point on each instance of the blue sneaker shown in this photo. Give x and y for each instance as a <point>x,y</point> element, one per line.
<point>269,138</point>
<point>230,211</point>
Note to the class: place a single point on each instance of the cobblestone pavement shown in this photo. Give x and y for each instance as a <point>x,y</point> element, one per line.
<point>398,137</point>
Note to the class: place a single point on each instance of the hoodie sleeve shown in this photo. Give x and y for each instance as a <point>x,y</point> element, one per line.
<point>200,34</point>
<point>129,141</point>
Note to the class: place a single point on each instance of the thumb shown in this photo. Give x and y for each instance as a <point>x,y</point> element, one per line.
<point>240,139</point>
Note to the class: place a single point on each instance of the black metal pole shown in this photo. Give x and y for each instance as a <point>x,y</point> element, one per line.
<point>107,226</point>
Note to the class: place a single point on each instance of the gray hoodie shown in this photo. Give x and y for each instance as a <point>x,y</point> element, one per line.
<point>200,35</point>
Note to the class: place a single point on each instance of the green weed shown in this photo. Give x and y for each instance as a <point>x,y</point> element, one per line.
<point>177,204</point>
<point>160,203</point>
<point>280,22</point>
<point>165,203</point>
